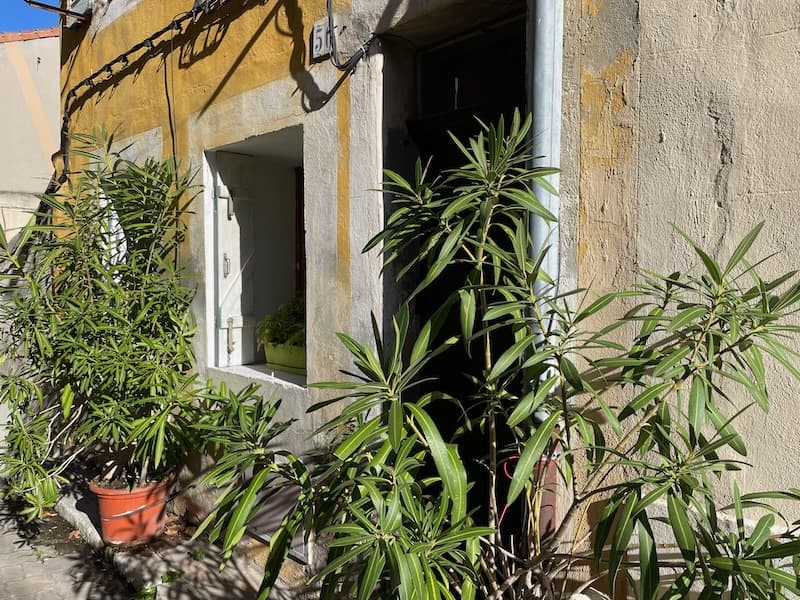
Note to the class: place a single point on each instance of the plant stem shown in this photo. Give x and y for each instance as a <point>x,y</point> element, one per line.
<point>601,473</point>
<point>487,363</point>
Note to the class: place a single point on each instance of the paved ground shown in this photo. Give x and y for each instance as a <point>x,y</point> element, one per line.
<point>173,567</point>
<point>57,562</point>
<point>45,567</point>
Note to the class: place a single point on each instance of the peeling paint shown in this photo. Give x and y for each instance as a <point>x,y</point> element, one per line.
<point>607,147</point>
<point>605,140</point>
<point>697,127</point>
<point>591,7</point>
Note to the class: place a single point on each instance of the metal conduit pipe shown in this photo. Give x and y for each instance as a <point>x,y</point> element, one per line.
<point>349,64</point>
<point>546,50</point>
<point>546,30</point>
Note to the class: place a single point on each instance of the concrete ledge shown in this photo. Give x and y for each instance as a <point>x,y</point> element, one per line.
<point>81,519</point>
<point>188,570</point>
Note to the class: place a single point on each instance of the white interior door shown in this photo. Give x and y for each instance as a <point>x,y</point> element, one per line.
<point>235,261</point>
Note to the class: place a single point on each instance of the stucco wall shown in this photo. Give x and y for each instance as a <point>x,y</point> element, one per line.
<point>29,116</point>
<point>684,112</point>
<point>240,72</point>
<point>29,111</point>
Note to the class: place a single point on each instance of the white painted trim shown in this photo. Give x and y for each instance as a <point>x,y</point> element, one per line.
<point>262,374</point>
<point>209,254</point>
<point>366,204</point>
<point>266,109</point>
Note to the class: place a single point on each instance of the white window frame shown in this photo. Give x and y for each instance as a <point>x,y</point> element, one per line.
<point>259,372</point>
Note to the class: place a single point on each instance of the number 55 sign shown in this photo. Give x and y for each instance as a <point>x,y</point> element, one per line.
<point>320,40</point>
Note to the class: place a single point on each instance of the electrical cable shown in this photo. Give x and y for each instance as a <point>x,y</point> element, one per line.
<point>106,72</point>
<point>175,27</point>
<point>350,64</point>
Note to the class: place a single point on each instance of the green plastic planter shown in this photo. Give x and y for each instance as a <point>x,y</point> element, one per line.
<point>284,357</point>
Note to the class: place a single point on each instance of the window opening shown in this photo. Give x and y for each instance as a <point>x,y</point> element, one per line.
<point>259,244</point>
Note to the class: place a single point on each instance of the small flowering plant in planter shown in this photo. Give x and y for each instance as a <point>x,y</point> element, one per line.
<point>283,336</point>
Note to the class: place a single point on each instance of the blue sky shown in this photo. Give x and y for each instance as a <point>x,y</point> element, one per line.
<point>15,15</point>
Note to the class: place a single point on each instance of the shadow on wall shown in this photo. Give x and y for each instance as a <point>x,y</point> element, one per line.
<point>199,39</point>
<point>195,35</point>
<point>210,27</point>
<point>313,97</point>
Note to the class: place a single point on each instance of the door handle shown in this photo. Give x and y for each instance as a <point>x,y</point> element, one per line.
<point>226,265</point>
<point>231,341</point>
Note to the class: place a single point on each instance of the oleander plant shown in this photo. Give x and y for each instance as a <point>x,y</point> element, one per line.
<point>432,490</point>
<point>97,328</point>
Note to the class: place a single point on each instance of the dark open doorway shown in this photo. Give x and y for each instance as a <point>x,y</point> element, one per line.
<point>432,91</point>
<point>479,75</point>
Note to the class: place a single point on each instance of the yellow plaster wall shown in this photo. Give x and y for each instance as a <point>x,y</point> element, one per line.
<point>244,70</point>
<point>233,50</point>
<point>607,153</point>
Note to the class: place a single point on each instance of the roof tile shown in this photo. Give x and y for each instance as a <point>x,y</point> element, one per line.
<point>34,34</point>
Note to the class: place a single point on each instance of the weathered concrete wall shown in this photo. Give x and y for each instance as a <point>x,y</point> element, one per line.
<point>599,152</point>
<point>242,71</point>
<point>684,112</point>
<point>719,138</point>
<point>29,116</point>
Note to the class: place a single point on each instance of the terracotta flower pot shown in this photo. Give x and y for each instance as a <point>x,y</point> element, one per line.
<point>131,516</point>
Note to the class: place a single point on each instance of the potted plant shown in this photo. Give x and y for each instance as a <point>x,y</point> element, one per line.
<point>98,330</point>
<point>283,336</point>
